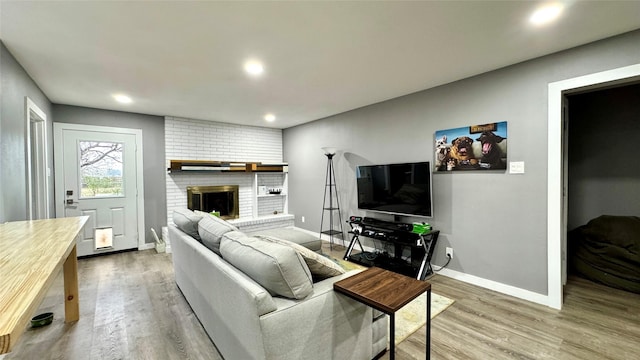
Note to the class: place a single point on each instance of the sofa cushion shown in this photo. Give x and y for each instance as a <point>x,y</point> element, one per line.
<point>211,228</point>
<point>295,235</point>
<point>187,221</point>
<point>321,268</point>
<point>278,268</point>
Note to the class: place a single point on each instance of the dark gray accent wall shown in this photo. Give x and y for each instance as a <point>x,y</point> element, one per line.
<point>496,222</point>
<point>155,202</point>
<point>15,85</point>
<point>604,174</point>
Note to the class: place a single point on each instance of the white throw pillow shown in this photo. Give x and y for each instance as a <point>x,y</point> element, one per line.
<point>278,268</point>
<point>320,267</point>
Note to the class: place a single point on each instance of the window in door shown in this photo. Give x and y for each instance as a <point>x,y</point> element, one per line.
<point>101,169</point>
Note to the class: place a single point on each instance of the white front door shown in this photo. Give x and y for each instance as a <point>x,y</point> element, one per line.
<point>96,175</point>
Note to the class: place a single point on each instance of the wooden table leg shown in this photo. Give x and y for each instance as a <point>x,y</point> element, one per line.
<point>71,303</point>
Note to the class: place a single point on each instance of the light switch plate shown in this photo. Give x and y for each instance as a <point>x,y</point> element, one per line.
<point>516,167</point>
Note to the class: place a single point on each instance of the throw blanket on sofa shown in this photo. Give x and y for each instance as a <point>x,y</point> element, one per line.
<point>607,250</point>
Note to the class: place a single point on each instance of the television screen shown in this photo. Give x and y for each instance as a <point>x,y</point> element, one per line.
<point>400,189</point>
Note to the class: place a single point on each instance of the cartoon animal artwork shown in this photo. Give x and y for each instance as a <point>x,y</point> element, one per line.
<point>462,152</point>
<point>451,164</point>
<point>442,153</point>
<point>491,153</point>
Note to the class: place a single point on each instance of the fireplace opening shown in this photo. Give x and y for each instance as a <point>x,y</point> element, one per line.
<point>223,199</point>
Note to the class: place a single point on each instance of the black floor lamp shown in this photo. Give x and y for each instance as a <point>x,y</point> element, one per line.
<point>333,205</point>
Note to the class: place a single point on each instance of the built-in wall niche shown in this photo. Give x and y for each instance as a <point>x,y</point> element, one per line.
<point>270,193</point>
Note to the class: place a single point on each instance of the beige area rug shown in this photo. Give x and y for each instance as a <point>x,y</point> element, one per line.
<point>412,316</point>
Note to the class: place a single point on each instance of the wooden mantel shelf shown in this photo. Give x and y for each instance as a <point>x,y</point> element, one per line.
<point>224,166</point>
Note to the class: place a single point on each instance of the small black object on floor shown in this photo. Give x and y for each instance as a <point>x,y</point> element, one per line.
<point>42,319</point>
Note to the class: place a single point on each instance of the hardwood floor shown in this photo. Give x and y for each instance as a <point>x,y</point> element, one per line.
<point>131,309</point>
<point>596,322</point>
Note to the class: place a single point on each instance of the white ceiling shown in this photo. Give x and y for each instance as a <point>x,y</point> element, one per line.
<point>321,58</point>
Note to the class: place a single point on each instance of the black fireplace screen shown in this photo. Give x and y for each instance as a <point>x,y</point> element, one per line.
<point>223,199</point>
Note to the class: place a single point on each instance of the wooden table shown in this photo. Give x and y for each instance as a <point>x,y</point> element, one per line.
<point>388,292</point>
<point>32,253</point>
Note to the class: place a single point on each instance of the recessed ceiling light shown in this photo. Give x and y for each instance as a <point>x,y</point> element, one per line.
<point>546,14</point>
<point>270,117</point>
<point>253,67</point>
<point>123,99</point>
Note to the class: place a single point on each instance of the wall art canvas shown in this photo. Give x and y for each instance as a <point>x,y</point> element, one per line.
<point>475,147</point>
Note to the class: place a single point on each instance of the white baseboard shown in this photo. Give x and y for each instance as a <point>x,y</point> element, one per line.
<point>474,280</point>
<point>307,231</point>
<point>147,246</point>
<point>496,286</point>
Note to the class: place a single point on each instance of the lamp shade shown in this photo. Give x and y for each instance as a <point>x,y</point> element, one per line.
<point>329,150</point>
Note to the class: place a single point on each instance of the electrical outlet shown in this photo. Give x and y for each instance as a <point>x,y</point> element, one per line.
<point>302,219</point>
<point>449,252</point>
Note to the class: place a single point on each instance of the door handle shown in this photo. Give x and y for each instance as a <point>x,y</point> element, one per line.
<point>71,202</point>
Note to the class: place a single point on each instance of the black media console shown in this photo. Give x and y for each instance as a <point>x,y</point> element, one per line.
<point>401,235</point>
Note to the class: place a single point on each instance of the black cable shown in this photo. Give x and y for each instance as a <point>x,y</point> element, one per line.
<point>372,255</point>
<point>369,256</point>
<point>445,265</point>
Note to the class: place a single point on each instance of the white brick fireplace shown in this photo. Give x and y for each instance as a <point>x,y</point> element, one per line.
<point>188,139</point>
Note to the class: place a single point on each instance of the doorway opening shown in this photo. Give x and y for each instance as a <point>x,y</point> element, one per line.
<point>557,168</point>
<point>603,185</point>
<point>36,154</point>
<point>99,174</point>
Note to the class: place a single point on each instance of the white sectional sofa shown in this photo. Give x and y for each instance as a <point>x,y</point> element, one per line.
<point>272,308</point>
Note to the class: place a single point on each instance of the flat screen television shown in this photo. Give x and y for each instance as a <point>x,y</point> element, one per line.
<point>399,189</point>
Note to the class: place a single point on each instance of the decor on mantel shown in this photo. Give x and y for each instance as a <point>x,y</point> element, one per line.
<point>334,202</point>
<point>224,166</point>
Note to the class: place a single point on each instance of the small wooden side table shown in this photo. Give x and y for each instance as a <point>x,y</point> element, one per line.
<point>388,292</point>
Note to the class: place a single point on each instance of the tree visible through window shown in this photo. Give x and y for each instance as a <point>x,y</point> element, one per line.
<point>101,169</point>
